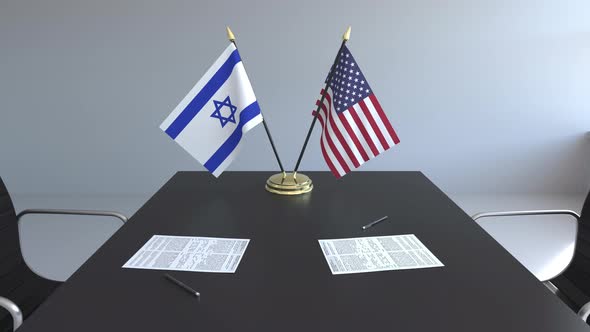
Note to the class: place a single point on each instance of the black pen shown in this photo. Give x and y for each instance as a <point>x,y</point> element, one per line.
<point>373,223</point>
<point>182,285</point>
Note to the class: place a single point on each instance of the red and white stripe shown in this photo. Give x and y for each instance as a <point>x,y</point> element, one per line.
<point>352,137</point>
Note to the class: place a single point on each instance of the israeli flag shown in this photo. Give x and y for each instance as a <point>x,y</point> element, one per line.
<point>210,121</point>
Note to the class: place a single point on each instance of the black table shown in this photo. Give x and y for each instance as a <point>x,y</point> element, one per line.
<point>283,282</point>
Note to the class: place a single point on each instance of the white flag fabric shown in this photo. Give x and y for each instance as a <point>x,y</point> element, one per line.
<point>210,121</point>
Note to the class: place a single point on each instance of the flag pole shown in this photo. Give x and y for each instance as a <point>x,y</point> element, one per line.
<point>232,38</point>
<point>292,183</point>
<point>345,38</point>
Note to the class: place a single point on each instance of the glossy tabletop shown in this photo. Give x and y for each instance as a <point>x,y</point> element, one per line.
<point>283,282</point>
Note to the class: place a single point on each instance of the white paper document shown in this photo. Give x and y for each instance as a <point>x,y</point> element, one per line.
<point>377,253</point>
<point>188,253</point>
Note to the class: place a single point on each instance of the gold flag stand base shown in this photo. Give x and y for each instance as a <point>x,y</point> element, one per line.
<point>289,184</point>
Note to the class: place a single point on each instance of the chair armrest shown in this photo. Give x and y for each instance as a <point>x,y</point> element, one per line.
<point>73,212</point>
<point>14,310</point>
<point>584,311</point>
<point>524,213</point>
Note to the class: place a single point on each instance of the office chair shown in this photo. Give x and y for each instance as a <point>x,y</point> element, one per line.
<point>21,289</point>
<point>571,281</point>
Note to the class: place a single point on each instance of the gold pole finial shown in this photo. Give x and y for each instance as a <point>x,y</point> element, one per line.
<point>346,35</point>
<point>230,35</point>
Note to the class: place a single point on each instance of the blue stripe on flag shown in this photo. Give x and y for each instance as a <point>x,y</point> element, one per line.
<point>204,95</point>
<point>232,141</point>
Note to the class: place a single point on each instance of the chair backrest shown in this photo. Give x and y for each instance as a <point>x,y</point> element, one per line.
<point>11,259</point>
<point>17,282</point>
<point>586,209</point>
<point>574,283</point>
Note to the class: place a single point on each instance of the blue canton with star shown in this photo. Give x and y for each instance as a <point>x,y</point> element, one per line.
<point>230,112</point>
<point>348,84</point>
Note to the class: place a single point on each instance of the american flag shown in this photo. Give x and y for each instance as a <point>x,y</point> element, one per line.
<point>354,126</point>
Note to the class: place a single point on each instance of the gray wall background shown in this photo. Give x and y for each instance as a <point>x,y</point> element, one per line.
<point>486,96</point>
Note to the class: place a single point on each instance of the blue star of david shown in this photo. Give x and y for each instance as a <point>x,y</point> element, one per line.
<point>218,108</point>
